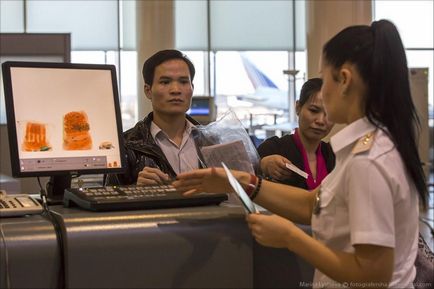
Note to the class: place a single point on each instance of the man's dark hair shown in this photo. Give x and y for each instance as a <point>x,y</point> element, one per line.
<point>163,56</point>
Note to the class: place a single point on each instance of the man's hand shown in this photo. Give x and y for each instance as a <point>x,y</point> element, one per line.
<point>152,176</point>
<point>275,167</point>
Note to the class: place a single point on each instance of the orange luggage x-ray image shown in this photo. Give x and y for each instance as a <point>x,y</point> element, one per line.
<point>35,138</point>
<point>76,134</point>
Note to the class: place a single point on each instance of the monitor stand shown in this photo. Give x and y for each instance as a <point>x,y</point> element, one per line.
<point>56,187</point>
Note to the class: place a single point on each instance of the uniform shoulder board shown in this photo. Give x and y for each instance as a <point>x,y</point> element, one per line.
<point>364,143</point>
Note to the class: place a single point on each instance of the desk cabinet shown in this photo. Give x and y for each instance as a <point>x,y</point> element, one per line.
<point>202,247</point>
<point>199,247</point>
<point>28,253</point>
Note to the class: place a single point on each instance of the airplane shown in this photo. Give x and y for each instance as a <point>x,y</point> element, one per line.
<point>266,93</point>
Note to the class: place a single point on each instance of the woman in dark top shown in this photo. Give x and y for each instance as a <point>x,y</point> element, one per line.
<point>304,148</point>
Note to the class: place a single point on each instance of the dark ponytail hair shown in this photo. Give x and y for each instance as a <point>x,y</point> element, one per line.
<point>379,56</point>
<point>309,89</point>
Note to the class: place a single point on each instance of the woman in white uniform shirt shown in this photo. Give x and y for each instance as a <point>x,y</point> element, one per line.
<point>364,216</point>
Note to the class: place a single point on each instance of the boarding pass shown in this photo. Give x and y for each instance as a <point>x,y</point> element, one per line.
<point>296,170</point>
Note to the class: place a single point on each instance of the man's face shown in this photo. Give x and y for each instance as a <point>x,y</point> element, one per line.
<point>171,89</point>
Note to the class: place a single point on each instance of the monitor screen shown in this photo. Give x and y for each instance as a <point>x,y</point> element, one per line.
<point>62,118</point>
<point>200,106</point>
<point>202,109</point>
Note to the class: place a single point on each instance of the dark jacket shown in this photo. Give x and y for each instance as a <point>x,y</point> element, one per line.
<point>286,147</point>
<point>142,151</point>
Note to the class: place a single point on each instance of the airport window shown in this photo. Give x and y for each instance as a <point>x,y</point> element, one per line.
<point>12,16</point>
<point>414,20</point>
<point>268,42</point>
<point>199,58</point>
<point>62,16</point>
<point>110,41</point>
<point>252,83</point>
<point>243,54</point>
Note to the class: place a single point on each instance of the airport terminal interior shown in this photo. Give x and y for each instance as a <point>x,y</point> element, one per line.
<point>251,58</point>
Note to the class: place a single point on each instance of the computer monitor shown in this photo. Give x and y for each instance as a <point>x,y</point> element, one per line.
<point>203,109</point>
<point>63,119</point>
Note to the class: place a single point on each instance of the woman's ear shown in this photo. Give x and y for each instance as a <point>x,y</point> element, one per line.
<point>297,107</point>
<point>147,90</point>
<point>345,78</point>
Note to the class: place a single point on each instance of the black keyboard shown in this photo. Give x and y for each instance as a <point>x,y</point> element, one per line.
<point>112,198</point>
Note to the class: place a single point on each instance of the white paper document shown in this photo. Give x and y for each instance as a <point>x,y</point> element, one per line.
<point>242,195</point>
<point>296,170</point>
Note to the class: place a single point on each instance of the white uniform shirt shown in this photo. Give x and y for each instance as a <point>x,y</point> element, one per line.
<point>182,158</point>
<point>368,199</point>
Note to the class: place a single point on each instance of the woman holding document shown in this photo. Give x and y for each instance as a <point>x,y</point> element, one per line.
<point>364,215</point>
<point>304,148</point>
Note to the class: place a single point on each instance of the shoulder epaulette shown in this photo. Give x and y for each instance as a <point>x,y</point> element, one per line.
<point>364,143</point>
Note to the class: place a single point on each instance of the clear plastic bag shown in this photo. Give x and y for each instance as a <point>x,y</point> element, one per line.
<point>226,140</point>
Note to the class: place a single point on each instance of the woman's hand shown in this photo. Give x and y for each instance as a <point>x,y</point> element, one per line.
<point>211,180</point>
<point>275,167</point>
<point>272,230</point>
<point>151,176</point>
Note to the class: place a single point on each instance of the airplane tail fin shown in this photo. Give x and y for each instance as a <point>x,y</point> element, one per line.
<point>257,77</point>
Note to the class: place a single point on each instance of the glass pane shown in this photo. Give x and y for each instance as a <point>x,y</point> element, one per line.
<point>191,25</point>
<point>198,58</point>
<point>253,85</point>
<point>97,28</point>
<point>242,72</point>
<point>251,25</point>
<point>300,25</point>
<point>97,57</point>
<point>414,20</point>
<point>301,66</point>
<point>129,86</point>
<point>11,16</point>
<point>112,57</point>
<point>128,16</point>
